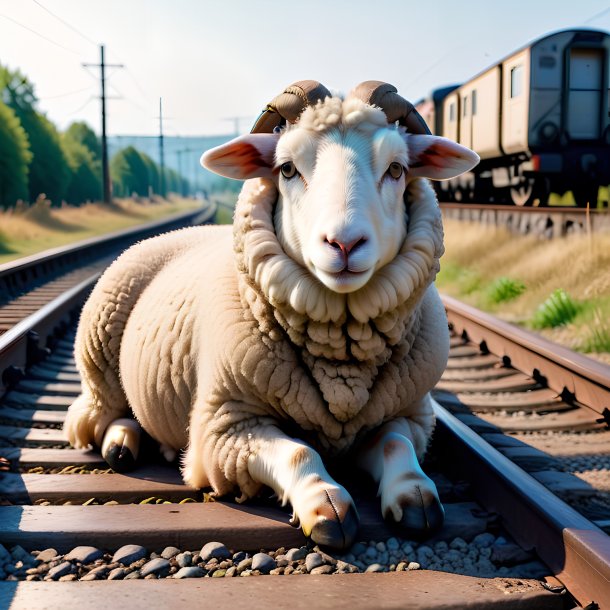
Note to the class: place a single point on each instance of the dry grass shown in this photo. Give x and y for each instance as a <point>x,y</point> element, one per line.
<point>476,255</point>
<point>39,227</point>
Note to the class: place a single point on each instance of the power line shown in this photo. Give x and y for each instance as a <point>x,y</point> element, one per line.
<point>105,170</point>
<point>64,22</point>
<point>25,27</point>
<point>52,97</point>
<point>597,16</point>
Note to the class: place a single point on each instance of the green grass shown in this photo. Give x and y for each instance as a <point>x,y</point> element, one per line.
<point>557,310</point>
<point>504,289</point>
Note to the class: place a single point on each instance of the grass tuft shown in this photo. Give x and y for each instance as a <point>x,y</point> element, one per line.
<point>557,310</point>
<point>505,289</point>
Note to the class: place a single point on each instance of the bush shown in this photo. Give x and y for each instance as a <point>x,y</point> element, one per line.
<point>505,289</point>
<point>558,309</point>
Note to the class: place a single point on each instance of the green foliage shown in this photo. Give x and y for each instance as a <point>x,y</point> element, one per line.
<point>129,173</point>
<point>558,309</point>
<point>83,134</point>
<point>450,273</point>
<point>505,289</point>
<point>598,337</point>
<point>48,172</point>
<point>86,173</point>
<point>153,173</point>
<point>14,158</point>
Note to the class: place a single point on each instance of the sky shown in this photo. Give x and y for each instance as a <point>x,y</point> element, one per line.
<point>212,61</point>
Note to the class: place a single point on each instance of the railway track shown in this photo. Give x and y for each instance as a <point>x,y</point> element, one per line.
<point>549,222</point>
<point>501,520</point>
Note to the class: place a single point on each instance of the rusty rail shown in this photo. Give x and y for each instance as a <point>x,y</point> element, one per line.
<point>566,372</point>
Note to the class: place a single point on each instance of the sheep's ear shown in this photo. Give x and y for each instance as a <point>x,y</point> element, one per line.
<point>249,156</point>
<point>438,158</point>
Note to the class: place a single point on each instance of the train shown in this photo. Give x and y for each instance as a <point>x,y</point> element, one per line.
<point>539,119</point>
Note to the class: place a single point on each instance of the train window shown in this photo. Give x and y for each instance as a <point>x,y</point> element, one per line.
<point>474,102</point>
<point>547,61</point>
<point>452,111</point>
<point>516,78</point>
<point>465,102</point>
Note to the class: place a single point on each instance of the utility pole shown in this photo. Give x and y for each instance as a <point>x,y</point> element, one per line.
<point>161,159</point>
<point>106,183</point>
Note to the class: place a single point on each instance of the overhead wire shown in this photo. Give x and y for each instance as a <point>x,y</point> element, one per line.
<point>65,22</point>
<point>25,27</point>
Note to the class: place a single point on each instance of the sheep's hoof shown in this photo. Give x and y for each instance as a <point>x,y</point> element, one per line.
<point>337,534</point>
<point>121,444</point>
<point>422,519</point>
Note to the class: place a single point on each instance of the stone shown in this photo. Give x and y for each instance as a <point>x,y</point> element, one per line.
<point>413,565</point>
<point>214,550</point>
<point>484,540</point>
<point>371,552</point>
<point>219,574</point>
<point>297,554</point>
<point>129,554</point>
<point>357,549</point>
<point>189,572</point>
<point>97,573</point>
<point>117,574</point>
<point>239,556</point>
<point>132,575</point>
<point>509,554</point>
<point>5,556</point>
<point>20,554</point>
<point>244,564</point>
<point>281,561</point>
<point>61,570</point>
<point>68,577</point>
<point>169,552</point>
<point>376,567</point>
<point>325,569</point>
<point>159,567</point>
<point>45,555</point>
<point>313,560</point>
<point>392,544</point>
<point>232,571</point>
<point>263,562</point>
<point>184,559</point>
<point>84,554</point>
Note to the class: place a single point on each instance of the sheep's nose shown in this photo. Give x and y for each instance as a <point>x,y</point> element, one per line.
<point>345,247</point>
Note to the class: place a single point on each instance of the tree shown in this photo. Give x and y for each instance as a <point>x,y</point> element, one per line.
<point>85,180</point>
<point>14,158</point>
<point>81,132</point>
<point>129,173</point>
<point>153,173</point>
<point>48,172</point>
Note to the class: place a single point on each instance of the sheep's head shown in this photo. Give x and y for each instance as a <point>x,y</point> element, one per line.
<point>341,168</point>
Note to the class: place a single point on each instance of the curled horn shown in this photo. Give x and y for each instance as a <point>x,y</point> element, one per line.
<point>396,108</point>
<point>289,105</point>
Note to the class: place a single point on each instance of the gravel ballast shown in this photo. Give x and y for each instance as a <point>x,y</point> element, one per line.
<point>486,555</point>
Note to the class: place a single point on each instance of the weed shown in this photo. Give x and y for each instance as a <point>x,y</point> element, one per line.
<point>557,310</point>
<point>505,289</point>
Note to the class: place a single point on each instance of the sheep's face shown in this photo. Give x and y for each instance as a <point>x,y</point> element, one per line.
<point>341,211</point>
<point>341,172</point>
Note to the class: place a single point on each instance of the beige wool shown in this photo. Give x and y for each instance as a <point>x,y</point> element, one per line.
<point>209,335</point>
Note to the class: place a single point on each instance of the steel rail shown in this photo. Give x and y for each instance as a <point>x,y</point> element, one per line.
<point>575,549</point>
<point>93,243</point>
<point>508,207</point>
<point>564,371</point>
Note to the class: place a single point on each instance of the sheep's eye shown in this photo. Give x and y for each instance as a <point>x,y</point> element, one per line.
<point>395,170</point>
<point>288,169</point>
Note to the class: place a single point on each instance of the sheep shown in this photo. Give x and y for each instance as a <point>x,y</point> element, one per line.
<point>309,329</point>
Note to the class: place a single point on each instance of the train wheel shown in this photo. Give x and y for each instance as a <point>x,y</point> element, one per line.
<point>531,191</point>
<point>524,193</point>
<point>585,193</point>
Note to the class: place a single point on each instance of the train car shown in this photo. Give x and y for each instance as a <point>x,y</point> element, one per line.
<point>539,119</point>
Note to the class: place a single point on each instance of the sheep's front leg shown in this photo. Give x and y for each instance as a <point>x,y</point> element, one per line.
<point>408,496</point>
<point>255,453</point>
<point>324,509</point>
